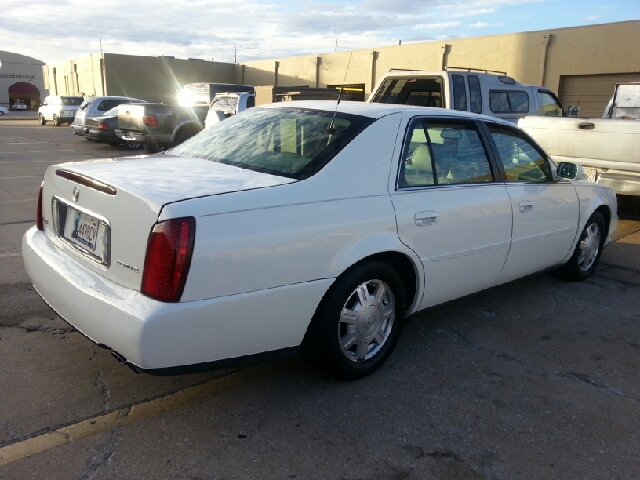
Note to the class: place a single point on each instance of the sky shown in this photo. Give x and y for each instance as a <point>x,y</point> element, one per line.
<point>226,31</point>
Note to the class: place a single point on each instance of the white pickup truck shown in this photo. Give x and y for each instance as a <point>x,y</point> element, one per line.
<point>223,105</point>
<point>468,90</point>
<point>608,148</point>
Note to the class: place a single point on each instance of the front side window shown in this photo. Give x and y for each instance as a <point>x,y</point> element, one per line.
<point>443,153</point>
<point>288,142</point>
<point>522,161</point>
<point>549,104</point>
<point>509,101</point>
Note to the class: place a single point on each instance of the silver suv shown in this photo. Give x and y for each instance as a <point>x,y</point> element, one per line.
<point>94,107</point>
<point>59,109</point>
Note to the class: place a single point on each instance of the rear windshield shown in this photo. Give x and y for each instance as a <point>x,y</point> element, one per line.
<point>422,92</point>
<point>71,100</point>
<point>289,142</point>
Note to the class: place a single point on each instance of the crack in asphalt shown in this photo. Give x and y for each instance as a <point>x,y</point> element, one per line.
<point>100,455</point>
<point>603,387</point>
<point>40,328</point>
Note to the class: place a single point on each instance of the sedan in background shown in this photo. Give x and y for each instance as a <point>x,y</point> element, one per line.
<point>102,129</point>
<point>19,106</point>
<point>95,107</point>
<point>4,110</point>
<point>305,224</point>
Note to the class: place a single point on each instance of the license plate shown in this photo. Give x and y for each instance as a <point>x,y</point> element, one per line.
<point>86,231</point>
<point>590,174</point>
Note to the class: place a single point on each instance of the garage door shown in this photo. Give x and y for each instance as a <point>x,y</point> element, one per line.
<point>591,92</point>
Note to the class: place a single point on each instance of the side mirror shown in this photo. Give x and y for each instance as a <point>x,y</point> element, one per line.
<point>570,171</point>
<point>573,111</point>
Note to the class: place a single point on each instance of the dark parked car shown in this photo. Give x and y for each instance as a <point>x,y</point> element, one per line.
<point>102,129</point>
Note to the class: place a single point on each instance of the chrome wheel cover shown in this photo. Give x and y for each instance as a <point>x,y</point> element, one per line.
<point>366,320</point>
<point>589,247</point>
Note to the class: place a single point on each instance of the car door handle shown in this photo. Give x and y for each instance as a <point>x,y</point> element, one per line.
<point>525,206</point>
<point>424,219</point>
<point>586,126</point>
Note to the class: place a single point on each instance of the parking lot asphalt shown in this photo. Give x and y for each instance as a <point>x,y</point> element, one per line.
<point>535,379</point>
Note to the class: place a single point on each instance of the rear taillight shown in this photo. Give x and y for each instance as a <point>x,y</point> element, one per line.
<point>39,219</point>
<point>150,120</point>
<point>168,258</point>
<point>103,126</point>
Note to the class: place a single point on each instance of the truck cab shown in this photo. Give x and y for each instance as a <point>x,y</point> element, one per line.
<point>489,93</point>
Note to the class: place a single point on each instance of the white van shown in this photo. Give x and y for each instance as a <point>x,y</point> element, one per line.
<point>468,90</point>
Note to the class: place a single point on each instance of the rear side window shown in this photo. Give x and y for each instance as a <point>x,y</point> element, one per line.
<point>459,93</point>
<point>443,153</point>
<point>475,94</point>
<point>509,101</point>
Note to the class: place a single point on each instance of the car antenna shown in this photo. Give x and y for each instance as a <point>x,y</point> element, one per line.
<point>331,129</point>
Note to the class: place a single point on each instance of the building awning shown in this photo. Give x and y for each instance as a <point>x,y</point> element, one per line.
<point>23,88</point>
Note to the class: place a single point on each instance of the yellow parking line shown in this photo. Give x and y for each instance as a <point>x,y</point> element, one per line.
<point>123,416</point>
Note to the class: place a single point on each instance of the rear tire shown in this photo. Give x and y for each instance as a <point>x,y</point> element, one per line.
<point>587,252</point>
<point>56,121</point>
<point>358,323</point>
<point>184,135</point>
<point>151,148</point>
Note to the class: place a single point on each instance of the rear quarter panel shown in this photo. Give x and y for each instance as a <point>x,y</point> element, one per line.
<point>300,232</point>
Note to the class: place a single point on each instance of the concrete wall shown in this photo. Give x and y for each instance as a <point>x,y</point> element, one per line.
<point>18,68</point>
<point>155,79</point>
<point>158,79</point>
<point>538,58</point>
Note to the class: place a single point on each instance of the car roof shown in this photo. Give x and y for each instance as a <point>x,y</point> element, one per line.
<point>379,110</point>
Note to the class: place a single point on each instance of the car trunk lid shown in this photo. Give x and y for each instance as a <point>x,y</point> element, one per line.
<point>102,212</point>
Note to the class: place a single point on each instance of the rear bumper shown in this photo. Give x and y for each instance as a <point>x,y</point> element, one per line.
<point>101,136</point>
<point>79,130</point>
<point>151,334</point>
<point>144,138</point>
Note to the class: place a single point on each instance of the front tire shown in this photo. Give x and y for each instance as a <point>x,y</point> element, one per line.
<point>42,120</point>
<point>359,321</point>
<point>588,250</point>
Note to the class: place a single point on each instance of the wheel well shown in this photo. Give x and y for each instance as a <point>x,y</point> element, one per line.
<point>401,263</point>
<point>606,213</point>
<point>186,129</point>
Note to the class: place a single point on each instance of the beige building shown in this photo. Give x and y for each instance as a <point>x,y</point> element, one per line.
<point>581,64</point>
<point>20,80</point>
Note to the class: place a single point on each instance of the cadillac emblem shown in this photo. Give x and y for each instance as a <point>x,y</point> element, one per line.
<point>76,194</point>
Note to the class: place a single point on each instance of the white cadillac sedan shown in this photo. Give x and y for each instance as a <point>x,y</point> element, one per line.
<point>305,224</point>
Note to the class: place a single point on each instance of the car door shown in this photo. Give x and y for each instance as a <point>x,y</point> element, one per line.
<point>451,209</point>
<point>545,211</point>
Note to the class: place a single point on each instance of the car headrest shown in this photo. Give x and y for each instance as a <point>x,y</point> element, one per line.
<point>421,159</point>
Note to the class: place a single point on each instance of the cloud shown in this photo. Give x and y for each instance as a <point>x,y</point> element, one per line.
<point>67,29</point>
